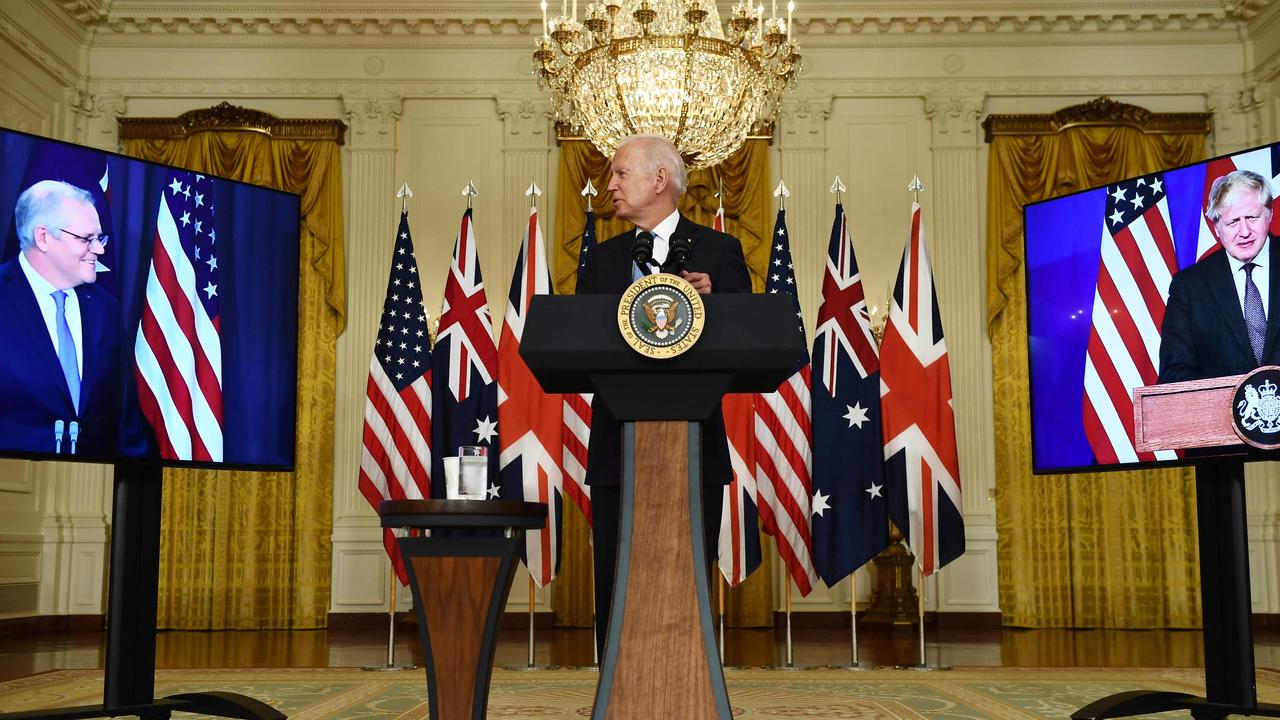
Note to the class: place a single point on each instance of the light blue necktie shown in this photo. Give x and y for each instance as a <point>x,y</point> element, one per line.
<point>67,350</point>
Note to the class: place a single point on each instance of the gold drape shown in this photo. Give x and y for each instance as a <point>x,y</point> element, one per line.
<point>1106,550</point>
<point>746,205</point>
<point>243,550</point>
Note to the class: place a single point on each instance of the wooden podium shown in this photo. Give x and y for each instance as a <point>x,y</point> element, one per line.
<point>1197,414</point>
<point>460,585</point>
<point>660,656</point>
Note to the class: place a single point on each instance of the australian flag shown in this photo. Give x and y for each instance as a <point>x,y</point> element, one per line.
<point>850,515</point>
<point>464,366</point>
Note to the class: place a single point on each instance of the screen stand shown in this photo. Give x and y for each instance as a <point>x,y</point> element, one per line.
<point>1229,678</point>
<point>131,618</point>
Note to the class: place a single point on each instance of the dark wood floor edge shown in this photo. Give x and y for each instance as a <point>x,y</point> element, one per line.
<point>12,627</point>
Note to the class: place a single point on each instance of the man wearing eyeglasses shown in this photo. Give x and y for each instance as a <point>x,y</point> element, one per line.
<point>1220,319</point>
<point>60,380</point>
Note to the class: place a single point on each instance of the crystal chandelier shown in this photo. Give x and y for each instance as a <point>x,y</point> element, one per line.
<point>666,67</point>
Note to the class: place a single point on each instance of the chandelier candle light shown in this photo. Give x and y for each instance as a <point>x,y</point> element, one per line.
<point>667,67</point>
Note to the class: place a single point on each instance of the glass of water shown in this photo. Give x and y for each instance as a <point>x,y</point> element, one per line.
<point>473,472</point>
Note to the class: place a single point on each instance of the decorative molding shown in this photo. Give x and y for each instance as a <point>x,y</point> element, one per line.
<point>1100,111</point>
<point>34,49</point>
<point>497,19</point>
<point>954,118</point>
<point>87,13</point>
<point>373,121</point>
<point>226,116</point>
<point>803,121</point>
<point>1091,86</point>
<point>526,121</point>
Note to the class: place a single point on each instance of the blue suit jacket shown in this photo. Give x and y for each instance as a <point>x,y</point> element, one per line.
<point>33,391</point>
<point>1203,333</point>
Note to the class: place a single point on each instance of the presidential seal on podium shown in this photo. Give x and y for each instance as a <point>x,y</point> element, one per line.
<point>661,316</point>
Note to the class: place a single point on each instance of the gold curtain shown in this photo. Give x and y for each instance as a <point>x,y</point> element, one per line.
<point>1087,550</point>
<point>249,550</point>
<point>746,207</point>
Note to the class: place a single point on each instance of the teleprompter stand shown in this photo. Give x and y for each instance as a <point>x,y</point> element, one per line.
<point>131,619</point>
<point>1190,415</point>
<point>660,657</point>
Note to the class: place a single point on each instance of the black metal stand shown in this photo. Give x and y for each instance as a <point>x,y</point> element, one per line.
<point>1229,678</point>
<point>131,619</point>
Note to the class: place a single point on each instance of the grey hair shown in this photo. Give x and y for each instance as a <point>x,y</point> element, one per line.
<point>658,152</point>
<point>1225,184</point>
<point>41,204</point>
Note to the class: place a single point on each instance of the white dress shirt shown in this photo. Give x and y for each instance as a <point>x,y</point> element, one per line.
<point>662,236</point>
<point>44,291</point>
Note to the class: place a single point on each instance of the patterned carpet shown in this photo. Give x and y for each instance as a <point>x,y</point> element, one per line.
<point>958,694</point>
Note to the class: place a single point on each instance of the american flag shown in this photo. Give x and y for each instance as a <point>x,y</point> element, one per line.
<point>395,463</point>
<point>739,543</point>
<point>531,421</point>
<point>178,349</point>
<point>1138,260</point>
<point>850,511</point>
<point>783,440</point>
<point>464,365</point>
<point>577,409</point>
<point>919,425</point>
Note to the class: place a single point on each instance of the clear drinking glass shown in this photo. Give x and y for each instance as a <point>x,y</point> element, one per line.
<point>473,472</point>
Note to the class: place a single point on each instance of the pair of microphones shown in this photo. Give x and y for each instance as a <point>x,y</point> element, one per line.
<point>72,429</point>
<point>677,252</point>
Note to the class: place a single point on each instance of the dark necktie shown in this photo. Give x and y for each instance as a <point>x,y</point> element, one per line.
<point>1255,319</point>
<point>67,350</point>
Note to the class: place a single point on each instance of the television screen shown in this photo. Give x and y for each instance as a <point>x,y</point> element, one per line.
<point>147,312</point>
<point>1105,313</point>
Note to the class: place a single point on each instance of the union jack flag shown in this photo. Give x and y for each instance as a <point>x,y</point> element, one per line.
<point>178,349</point>
<point>464,365</point>
<point>739,541</point>
<point>395,462</point>
<point>783,440</point>
<point>577,410</point>
<point>850,514</point>
<point>531,421</point>
<point>919,425</point>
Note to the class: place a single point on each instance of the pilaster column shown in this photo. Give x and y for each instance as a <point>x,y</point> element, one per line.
<point>361,570</point>
<point>802,162</point>
<point>90,119</point>
<point>953,223</point>
<point>526,147</point>
<point>76,501</point>
<point>1231,108</point>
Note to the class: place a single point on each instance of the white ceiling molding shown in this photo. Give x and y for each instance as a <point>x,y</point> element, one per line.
<point>500,19</point>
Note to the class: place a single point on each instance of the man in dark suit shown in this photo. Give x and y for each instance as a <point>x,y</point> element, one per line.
<point>647,177</point>
<point>60,364</point>
<point>1220,319</point>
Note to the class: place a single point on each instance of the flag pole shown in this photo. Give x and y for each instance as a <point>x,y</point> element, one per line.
<point>391,665</point>
<point>790,663</point>
<point>853,619</point>
<point>722,586</point>
<point>923,660</point>
<point>595,640</point>
<point>531,616</point>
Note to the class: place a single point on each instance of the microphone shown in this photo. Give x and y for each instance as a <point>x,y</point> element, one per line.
<point>57,437</point>
<point>678,255</point>
<point>642,250</point>
<point>74,433</point>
